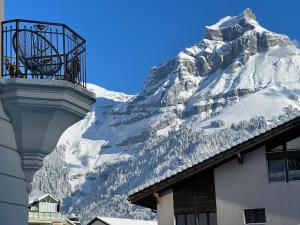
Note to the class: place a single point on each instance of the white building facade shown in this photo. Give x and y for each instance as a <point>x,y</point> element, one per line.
<point>257,182</point>
<point>252,185</point>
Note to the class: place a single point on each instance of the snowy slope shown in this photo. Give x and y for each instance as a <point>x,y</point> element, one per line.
<point>240,79</point>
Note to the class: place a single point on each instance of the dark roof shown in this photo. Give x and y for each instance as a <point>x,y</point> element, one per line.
<point>97,219</point>
<point>145,197</point>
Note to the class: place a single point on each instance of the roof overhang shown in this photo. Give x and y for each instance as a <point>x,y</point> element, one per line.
<point>97,219</point>
<point>146,196</point>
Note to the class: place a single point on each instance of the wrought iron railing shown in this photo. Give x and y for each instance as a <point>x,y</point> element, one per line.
<point>42,50</point>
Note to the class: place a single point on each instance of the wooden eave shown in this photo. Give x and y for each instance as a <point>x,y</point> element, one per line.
<point>145,197</point>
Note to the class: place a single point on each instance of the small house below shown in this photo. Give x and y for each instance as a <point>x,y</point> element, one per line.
<point>46,210</point>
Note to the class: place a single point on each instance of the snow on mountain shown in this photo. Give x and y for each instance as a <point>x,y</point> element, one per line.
<point>240,79</point>
<point>296,43</point>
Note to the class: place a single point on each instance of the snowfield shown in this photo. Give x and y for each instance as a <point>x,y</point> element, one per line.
<point>238,82</point>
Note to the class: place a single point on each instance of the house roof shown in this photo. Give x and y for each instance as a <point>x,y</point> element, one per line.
<point>143,195</point>
<point>70,222</point>
<point>43,197</point>
<point>120,221</point>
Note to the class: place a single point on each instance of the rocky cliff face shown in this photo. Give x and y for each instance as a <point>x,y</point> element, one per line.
<point>239,79</point>
<point>227,47</point>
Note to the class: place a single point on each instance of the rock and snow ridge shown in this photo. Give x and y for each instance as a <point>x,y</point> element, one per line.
<point>238,81</point>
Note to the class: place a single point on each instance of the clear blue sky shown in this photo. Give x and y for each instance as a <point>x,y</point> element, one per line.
<point>128,37</point>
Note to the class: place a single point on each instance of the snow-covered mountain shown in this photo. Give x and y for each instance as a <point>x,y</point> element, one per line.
<point>238,80</point>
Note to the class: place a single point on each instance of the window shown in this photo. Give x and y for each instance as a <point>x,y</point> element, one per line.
<point>207,218</point>
<point>202,219</point>
<point>294,168</point>
<point>253,216</point>
<point>190,219</point>
<point>284,161</point>
<point>180,219</point>
<point>212,218</point>
<point>34,208</point>
<point>276,170</point>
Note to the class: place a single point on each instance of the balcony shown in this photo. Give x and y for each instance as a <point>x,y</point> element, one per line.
<point>42,87</point>
<point>42,50</point>
<point>46,216</point>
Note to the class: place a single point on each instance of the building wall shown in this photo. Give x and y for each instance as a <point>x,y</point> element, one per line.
<point>244,186</point>
<point>47,207</point>
<point>13,195</point>
<point>1,19</point>
<point>165,209</point>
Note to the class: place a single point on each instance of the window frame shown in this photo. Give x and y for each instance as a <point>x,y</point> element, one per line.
<point>195,216</point>
<point>258,223</point>
<point>285,155</point>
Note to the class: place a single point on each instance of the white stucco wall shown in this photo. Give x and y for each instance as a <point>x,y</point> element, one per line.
<point>47,207</point>
<point>165,209</point>
<point>244,186</point>
<point>13,195</point>
<point>1,19</point>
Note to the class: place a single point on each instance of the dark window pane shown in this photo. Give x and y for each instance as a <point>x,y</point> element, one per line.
<point>180,219</point>
<point>190,219</point>
<point>202,219</point>
<point>255,216</point>
<point>260,215</point>
<point>276,170</point>
<point>212,218</point>
<point>250,216</point>
<point>294,169</point>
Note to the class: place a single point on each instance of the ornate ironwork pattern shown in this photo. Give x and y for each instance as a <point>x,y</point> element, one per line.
<point>42,50</point>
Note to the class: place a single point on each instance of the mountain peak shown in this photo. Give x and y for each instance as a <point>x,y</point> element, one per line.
<point>231,27</point>
<point>248,13</point>
<point>228,47</point>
